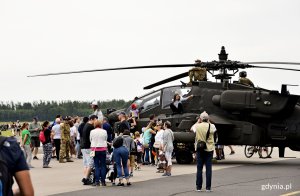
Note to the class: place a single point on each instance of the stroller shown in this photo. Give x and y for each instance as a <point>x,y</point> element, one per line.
<point>111,169</point>
<point>162,163</point>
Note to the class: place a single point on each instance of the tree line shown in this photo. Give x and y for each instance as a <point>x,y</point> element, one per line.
<point>47,110</point>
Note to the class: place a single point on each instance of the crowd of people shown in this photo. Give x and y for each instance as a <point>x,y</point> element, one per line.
<point>122,148</point>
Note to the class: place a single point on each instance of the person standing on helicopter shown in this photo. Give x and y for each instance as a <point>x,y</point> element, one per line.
<point>97,110</point>
<point>244,80</point>
<point>176,105</point>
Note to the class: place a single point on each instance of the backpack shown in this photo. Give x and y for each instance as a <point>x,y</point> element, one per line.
<point>118,142</point>
<point>139,146</point>
<point>6,179</point>
<point>201,145</point>
<point>42,136</point>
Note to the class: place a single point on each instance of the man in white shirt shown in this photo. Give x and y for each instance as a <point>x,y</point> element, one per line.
<point>97,110</point>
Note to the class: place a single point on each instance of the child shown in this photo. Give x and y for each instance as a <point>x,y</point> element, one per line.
<point>139,149</point>
<point>134,111</point>
<point>162,163</point>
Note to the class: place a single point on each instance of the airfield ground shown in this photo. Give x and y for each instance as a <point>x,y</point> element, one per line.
<point>236,175</point>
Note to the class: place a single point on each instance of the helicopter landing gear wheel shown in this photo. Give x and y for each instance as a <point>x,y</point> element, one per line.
<point>265,152</point>
<point>249,151</point>
<point>184,157</point>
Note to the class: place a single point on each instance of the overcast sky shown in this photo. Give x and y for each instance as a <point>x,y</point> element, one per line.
<point>66,35</point>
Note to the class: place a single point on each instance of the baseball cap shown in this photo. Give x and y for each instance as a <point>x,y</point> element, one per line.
<point>204,116</point>
<point>94,103</point>
<point>122,113</point>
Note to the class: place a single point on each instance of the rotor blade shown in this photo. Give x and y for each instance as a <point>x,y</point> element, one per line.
<point>278,63</point>
<point>182,75</point>
<point>118,68</point>
<point>281,68</point>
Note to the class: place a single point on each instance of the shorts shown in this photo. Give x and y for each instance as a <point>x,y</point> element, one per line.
<point>168,155</point>
<point>88,161</point>
<point>35,142</point>
<point>132,160</point>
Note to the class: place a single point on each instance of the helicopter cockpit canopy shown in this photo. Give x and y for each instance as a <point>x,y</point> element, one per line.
<point>163,98</point>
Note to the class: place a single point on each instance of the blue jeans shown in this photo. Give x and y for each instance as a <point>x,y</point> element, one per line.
<point>204,158</point>
<point>100,166</point>
<point>147,155</point>
<point>121,155</point>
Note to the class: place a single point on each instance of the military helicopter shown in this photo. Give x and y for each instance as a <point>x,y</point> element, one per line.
<point>243,114</point>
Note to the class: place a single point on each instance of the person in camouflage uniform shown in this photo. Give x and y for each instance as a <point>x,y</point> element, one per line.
<point>244,80</point>
<point>65,142</point>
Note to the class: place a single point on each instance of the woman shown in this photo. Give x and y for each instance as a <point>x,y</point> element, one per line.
<point>158,139</point>
<point>121,158</point>
<point>47,145</point>
<point>168,138</point>
<point>176,105</point>
<point>77,146</point>
<point>98,138</point>
<point>25,144</point>
<point>73,132</point>
<point>130,145</point>
<point>148,131</point>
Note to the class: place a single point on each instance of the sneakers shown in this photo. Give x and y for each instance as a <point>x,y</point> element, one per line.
<point>96,184</point>
<point>232,152</point>
<point>103,184</point>
<point>208,190</point>
<point>86,181</point>
<point>166,174</point>
<point>62,161</point>
<point>128,184</point>
<point>120,184</point>
<point>70,160</point>
<point>35,158</point>
<point>199,190</point>
<point>46,166</point>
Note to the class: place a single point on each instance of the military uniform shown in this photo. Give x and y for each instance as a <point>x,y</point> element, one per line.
<point>65,143</point>
<point>197,74</point>
<point>246,81</point>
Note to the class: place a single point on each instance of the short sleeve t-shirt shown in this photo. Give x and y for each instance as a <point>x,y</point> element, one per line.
<point>124,125</point>
<point>13,156</point>
<point>47,134</point>
<point>57,131</point>
<point>24,133</point>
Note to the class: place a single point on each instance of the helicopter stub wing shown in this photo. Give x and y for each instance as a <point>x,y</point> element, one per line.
<point>220,120</point>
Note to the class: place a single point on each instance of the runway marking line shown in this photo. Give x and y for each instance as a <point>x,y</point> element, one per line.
<point>291,193</point>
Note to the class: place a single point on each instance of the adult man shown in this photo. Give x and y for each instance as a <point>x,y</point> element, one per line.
<point>123,125</point>
<point>203,130</point>
<point>97,110</point>
<point>244,80</point>
<point>88,162</point>
<point>56,131</point>
<point>65,141</point>
<point>106,126</point>
<point>34,129</point>
<point>12,160</point>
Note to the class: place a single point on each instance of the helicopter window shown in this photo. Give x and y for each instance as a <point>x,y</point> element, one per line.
<point>149,101</point>
<point>169,93</point>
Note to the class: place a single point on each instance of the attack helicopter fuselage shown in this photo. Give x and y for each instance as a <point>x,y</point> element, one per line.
<point>243,115</point>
